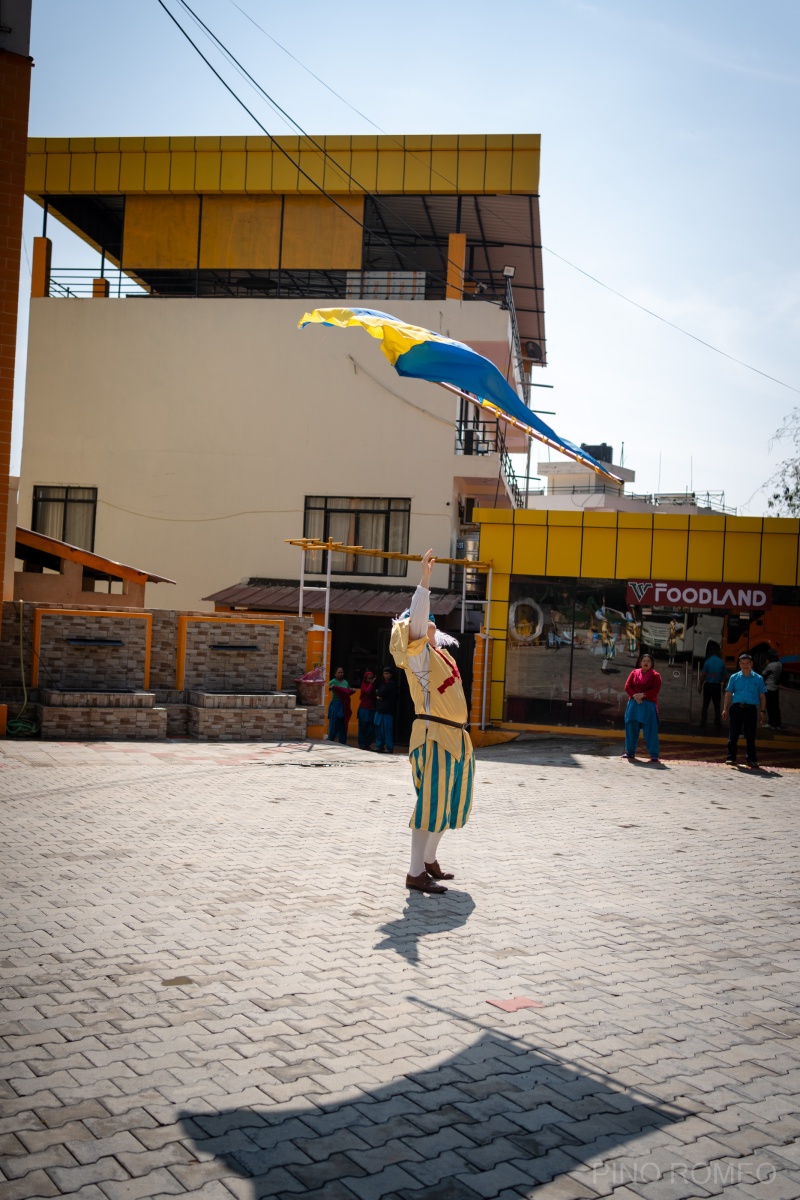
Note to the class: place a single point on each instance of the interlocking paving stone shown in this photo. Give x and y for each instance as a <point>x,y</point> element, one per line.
<point>336,1040</point>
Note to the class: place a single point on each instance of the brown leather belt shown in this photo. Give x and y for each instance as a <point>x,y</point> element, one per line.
<point>440,720</point>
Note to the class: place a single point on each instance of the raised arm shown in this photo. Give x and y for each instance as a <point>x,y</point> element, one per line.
<point>421,601</point>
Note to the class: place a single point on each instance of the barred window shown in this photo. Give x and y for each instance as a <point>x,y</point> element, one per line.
<point>376,523</point>
<point>66,513</point>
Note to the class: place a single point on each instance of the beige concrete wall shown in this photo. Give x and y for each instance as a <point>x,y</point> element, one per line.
<point>205,423</point>
<point>67,588</point>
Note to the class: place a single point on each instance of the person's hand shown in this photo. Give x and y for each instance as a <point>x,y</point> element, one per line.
<point>724,714</point>
<point>762,716</point>
<point>638,697</point>
<point>427,566</point>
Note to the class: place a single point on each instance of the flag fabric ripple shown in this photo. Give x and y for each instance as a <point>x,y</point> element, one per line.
<point>419,353</point>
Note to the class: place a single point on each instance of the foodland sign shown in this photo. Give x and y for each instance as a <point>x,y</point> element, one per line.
<point>664,593</point>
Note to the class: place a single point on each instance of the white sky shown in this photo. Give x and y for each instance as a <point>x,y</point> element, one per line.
<point>669,170</point>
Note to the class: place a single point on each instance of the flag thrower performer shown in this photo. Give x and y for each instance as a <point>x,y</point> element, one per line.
<point>440,749</point>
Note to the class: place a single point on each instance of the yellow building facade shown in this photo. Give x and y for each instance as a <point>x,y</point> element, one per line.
<point>558,577</point>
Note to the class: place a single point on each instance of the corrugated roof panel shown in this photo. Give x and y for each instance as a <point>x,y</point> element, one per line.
<point>379,602</point>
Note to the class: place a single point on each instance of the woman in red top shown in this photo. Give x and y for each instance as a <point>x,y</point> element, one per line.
<point>642,685</point>
<point>366,711</point>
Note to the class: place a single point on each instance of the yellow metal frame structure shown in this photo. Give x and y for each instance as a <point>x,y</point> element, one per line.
<point>88,612</point>
<point>183,622</point>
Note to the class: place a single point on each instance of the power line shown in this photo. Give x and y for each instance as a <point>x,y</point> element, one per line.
<point>342,171</point>
<point>308,70</point>
<point>501,217</point>
<point>671,324</point>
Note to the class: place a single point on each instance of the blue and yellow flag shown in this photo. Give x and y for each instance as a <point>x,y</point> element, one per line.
<point>422,354</point>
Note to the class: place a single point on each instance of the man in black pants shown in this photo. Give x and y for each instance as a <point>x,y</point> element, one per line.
<point>745,695</point>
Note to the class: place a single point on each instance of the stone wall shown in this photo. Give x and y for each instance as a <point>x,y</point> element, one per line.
<point>66,669</point>
<point>163,652</point>
<point>62,724</point>
<point>247,724</point>
<point>294,649</point>
<point>69,660</point>
<point>164,649</point>
<point>10,671</point>
<point>213,664</point>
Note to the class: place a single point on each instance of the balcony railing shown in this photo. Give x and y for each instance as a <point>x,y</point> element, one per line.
<point>368,286</point>
<point>477,437</point>
<point>711,500</point>
<point>77,283</point>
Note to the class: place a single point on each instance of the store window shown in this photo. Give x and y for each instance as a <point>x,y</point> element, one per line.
<point>573,642</point>
<point>377,523</point>
<point>66,513</point>
<point>538,655</point>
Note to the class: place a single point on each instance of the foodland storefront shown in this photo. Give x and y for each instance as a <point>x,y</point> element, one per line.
<point>577,596</point>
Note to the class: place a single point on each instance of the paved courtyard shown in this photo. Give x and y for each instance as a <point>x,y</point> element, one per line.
<point>214,982</point>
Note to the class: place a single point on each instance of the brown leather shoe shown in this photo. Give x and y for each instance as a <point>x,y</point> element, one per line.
<point>436,871</point>
<point>424,883</point>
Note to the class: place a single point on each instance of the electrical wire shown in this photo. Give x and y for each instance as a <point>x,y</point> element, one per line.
<point>308,70</point>
<point>514,228</point>
<point>338,167</point>
<point>671,324</point>
<point>17,727</point>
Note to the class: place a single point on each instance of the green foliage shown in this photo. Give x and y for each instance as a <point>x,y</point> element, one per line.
<point>784,484</point>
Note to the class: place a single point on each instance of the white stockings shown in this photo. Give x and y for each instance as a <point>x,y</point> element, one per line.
<point>424,846</point>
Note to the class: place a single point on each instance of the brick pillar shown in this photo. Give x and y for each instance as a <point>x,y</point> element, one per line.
<point>15,90</point>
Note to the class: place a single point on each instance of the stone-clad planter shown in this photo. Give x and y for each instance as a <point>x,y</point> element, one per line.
<point>62,724</point>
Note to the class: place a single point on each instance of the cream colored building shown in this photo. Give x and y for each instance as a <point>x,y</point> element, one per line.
<point>205,424</point>
<point>173,390</point>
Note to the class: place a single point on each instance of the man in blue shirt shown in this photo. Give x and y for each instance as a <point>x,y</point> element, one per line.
<point>745,700</point>
<point>712,676</point>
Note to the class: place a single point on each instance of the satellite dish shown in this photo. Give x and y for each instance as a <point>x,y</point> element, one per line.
<point>533,350</point>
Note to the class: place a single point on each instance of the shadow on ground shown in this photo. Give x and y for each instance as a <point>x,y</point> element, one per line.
<point>496,1102</point>
<point>422,916</point>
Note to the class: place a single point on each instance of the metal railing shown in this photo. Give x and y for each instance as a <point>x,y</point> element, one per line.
<point>475,586</point>
<point>477,437</point>
<point>715,501</point>
<point>367,285</point>
<point>474,436</point>
<point>522,374</point>
<point>77,283</point>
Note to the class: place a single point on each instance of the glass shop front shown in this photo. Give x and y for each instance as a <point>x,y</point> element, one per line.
<point>573,642</point>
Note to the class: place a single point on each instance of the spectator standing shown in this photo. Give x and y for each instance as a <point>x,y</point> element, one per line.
<point>642,685</point>
<point>366,711</point>
<point>385,704</point>
<point>711,679</point>
<point>339,707</point>
<point>772,681</point>
<point>745,695</point>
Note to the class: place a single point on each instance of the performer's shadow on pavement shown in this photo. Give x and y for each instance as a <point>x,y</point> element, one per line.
<point>424,915</point>
<point>495,1103</point>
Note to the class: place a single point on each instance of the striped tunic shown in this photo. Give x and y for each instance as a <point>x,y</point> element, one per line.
<point>442,762</point>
